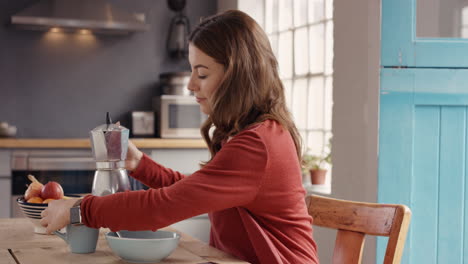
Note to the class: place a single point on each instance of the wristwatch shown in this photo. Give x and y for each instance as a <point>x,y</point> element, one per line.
<point>75,213</point>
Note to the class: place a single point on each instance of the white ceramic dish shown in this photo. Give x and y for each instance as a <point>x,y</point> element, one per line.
<point>33,212</point>
<point>143,246</point>
<point>33,206</point>
<point>32,209</point>
<point>32,215</point>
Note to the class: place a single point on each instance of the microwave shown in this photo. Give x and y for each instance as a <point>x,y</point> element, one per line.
<point>180,117</point>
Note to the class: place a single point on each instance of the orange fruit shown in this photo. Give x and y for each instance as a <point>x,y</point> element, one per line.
<point>46,201</point>
<point>35,199</point>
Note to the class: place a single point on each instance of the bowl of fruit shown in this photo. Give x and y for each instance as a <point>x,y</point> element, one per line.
<point>36,199</point>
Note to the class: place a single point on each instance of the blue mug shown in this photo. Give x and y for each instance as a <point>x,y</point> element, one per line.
<point>80,238</point>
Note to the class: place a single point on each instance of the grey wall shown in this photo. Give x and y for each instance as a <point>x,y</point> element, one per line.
<point>356,104</point>
<point>60,85</point>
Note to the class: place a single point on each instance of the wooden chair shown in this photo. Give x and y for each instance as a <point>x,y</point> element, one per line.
<point>354,220</point>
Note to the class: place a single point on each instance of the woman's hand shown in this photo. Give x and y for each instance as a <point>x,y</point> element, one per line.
<point>57,214</point>
<point>133,157</point>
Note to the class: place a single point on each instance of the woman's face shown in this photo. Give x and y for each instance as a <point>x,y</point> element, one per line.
<point>206,77</point>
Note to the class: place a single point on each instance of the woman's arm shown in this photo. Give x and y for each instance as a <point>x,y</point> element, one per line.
<point>231,179</point>
<point>152,174</point>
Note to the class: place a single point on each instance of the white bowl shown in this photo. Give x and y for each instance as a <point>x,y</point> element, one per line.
<point>23,204</point>
<point>33,212</point>
<point>143,246</point>
<point>33,215</point>
<point>37,226</point>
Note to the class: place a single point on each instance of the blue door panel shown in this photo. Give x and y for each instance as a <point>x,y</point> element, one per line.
<point>395,31</point>
<point>425,191</point>
<point>396,111</point>
<point>422,160</point>
<point>465,197</point>
<point>423,135</point>
<point>440,99</point>
<point>451,185</point>
<point>440,53</point>
<point>401,47</point>
<point>441,82</point>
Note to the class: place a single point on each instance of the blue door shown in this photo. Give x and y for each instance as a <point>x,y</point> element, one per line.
<point>423,121</point>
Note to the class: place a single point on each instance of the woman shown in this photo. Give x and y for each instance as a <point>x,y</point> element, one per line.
<point>251,187</point>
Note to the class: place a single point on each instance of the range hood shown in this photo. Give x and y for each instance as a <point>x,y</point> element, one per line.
<point>94,15</point>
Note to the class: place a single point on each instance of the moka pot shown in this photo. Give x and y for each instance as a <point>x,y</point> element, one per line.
<point>109,143</point>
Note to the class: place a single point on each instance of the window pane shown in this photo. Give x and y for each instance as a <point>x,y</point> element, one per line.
<point>274,44</point>
<point>316,42</point>
<point>288,92</point>
<point>285,14</point>
<point>271,15</point>
<point>255,9</point>
<point>328,102</point>
<point>440,18</point>
<point>464,22</point>
<point>300,12</point>
<point>329,48</point>
<point>328,141</point>
<point>329,8</point>
<point>316,10</point>
<point>299,103</point>
<point>285,54</point>
<point>464,32</point>
<point>303,135</point>
<point>301,54</point>
<point>315,103</point>
<point>315,143</point>
<point>328,145</point>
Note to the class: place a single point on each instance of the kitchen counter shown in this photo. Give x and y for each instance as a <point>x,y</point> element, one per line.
<point>20,245</point>
<point>82,143</point>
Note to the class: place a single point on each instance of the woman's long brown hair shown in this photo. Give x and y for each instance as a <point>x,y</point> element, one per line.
<point>251,90</point>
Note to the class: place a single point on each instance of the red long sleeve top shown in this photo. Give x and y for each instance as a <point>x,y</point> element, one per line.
<point>252,190</point>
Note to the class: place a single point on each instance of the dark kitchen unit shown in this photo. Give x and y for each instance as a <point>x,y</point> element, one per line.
<point>74,170</point>
<point>74,75</point>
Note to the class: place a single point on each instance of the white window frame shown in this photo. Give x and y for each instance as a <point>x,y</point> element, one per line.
<point>257,9</point>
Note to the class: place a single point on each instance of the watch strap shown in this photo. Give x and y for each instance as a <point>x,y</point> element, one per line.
<point>75,213</point>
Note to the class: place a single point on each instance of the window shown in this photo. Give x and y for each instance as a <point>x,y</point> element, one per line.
<point>464,22</point>
<point>301,35</point>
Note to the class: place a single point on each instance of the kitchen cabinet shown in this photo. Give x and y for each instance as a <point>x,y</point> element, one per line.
<point>5,183</point>
<point>186,161</point>
<point>198,227</point>
<point>5,159</point>
<point>5,196</point>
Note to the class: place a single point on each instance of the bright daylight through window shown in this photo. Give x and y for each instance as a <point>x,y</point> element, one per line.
<point>301,35</point>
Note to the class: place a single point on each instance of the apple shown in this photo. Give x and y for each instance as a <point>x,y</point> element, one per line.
<point>52,190</point>
<point>35,199</point>
<point>34,189</point>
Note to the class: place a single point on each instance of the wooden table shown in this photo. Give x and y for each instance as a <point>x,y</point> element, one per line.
<point>20,245</point>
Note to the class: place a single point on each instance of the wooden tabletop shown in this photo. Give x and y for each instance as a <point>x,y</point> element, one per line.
<point>20,245</point>
<point>184,143</point>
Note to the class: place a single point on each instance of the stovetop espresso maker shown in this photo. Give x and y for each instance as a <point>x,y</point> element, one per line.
<point>110,144</point>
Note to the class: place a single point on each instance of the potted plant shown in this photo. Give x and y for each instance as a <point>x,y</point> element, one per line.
<point>316,166</point>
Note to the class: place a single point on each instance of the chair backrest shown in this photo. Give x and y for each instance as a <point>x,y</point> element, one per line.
<point>354,220</point>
